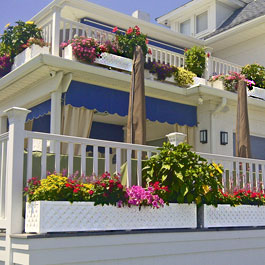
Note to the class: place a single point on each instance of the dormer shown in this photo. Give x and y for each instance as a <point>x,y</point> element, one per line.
<point>199,18</point>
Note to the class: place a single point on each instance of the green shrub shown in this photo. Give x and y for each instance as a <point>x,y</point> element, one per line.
<point>183,77</point>
<point>195,59</point>
<point>256,73</point>
<point>188,176</point>
<point>15,38</point>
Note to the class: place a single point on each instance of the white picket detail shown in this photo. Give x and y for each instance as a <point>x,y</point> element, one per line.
<point>241,167</point>
<point>220,66</point>
<point>57,156</point>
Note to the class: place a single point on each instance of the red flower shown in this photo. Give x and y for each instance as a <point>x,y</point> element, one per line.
<point>186,50</point>
<point>137,28</point>
<point>26,189</point>
<point>91,192</point>
<point>76,190</point>
<point>146,41</point>
<point>129,31</point>
<point>208,55</point>
<point>114,29</point>
<point>120,186</point>
<point>149,51</point>
<point>111,181</point>
<point>103,185</point>
<point>105,194</point>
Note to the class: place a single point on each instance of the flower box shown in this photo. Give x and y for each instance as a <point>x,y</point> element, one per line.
<point>199,81</point>
<point>60,216</point>
<point>106,59</point>
<point>151,76</point>
<point>228,216</point>
<point>28,54</point>
<point>115,61</point>
<point>257,92</point>
<point>217,84</point>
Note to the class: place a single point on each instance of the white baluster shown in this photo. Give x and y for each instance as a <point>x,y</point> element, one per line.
<point>118,160</point>
<point>29,159</point>
<point>70,158</point>
<point>57,156</point>
<point>95,160</point>
<point>44,159</point>
<point>129,167</point>
<point>83,159</point>
<point>251,177</point>
<point>107,159</point>
<point>139,168</point>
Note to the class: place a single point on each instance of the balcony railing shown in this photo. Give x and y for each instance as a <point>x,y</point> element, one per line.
<point>67,29</point>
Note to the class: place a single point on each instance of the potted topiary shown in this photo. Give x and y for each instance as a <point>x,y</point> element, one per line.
<point>195,59</point>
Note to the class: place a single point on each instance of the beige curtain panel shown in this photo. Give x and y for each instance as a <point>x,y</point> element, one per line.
<point>76,122</point>
<point>189,131</point>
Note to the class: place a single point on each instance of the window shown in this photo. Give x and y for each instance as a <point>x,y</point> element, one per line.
<point>185,27</point>
<point>202,22</point>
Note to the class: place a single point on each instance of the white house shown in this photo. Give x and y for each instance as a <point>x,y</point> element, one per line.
<point>66,96</point>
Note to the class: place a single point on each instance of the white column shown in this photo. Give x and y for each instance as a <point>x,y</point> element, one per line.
<point>56,98</point>
<point>208,64</point>
<point>15,154</point>
<point>3,124</point>
<point>56,30</point>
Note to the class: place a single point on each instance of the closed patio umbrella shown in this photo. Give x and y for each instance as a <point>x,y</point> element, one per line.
<point>242,123</point>
<point>136,126</point>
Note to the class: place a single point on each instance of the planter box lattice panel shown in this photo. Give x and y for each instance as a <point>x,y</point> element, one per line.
<point>48,216</point>
<point>228,216</point>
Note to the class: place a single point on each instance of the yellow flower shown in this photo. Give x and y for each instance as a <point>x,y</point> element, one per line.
<point>205,188</point>
<point>7,25</point>
<point>30,22</point>
<point>217,168</point>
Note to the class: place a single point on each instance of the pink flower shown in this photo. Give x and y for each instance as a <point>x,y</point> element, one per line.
<point>115,29</point>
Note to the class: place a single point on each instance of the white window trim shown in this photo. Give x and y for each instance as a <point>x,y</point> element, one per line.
<point>204,32</point>
<point>181,21</point>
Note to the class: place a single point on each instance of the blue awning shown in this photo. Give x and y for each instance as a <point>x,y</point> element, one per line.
<point>39,110</point>
<point>114,101</point>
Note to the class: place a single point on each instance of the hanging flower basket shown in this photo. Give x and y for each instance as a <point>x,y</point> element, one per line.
<point>228,216</point>
<point>28,54</point>
<point>62,216</point>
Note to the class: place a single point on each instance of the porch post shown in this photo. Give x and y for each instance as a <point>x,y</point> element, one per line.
<point>56,30</point>
<point>208,64</point>
<point>15,159</point>
<point>56,108</point>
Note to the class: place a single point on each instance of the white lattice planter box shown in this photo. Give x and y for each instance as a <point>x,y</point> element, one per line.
<point>48,216</point>
<point>228,216</point>
<point>28,54</point>
<point>257,92</point>
<point>151,76</point>
<point>217,84</point>
<point>106,59</point>
<point>199,81</point>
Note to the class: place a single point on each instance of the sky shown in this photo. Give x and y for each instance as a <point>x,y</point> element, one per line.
<point>13,10</point>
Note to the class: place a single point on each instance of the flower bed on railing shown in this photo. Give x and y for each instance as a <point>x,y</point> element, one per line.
<point>19,44</point>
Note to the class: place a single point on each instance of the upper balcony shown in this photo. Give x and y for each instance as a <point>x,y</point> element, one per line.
<point>65,20</point>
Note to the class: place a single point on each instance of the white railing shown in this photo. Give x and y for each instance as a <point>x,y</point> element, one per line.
<point>130,150</point>
<point>220,66</point>
<point>68,29</point>
<point>239,172</point>
<point>47,32</point>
